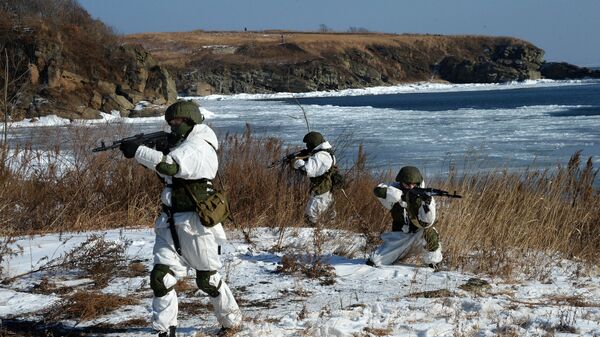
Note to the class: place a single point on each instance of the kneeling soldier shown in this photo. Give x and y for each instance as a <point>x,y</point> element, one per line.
<point>412,226</point>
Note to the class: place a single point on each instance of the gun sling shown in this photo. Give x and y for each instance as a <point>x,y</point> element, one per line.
<point>168,211</point>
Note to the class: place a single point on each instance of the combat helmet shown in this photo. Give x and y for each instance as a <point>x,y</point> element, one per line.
<point>184,109</point>
<point>313,139</point>
<point>409,175</point>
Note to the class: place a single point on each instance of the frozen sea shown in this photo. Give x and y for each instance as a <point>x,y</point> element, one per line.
<point>516,125</point>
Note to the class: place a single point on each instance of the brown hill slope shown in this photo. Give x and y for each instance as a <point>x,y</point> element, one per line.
<point>274,61</point>
<point>61,61</point>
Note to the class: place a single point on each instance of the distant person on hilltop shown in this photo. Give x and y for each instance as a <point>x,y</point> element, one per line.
<point>182,240</point>
<point>412,222</point>
<point>318,163</point>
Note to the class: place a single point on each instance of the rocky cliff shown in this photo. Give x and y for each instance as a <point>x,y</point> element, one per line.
<point>563,71</point>
<point>205,63</point>
<point>62,62</point>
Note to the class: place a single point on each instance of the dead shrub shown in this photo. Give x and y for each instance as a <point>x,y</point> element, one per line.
<point>194,308</point>
<point>311,268</point>
<point>440,293</point>
<point>137,268</point>
<point>186,286</point>
<point>96,258</point>
<point>378,331</point>
<point>84,306</point>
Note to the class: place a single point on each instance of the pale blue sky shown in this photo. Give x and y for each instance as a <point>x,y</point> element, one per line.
<point>568,30</point>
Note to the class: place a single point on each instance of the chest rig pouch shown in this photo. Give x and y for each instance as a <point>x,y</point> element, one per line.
<point>211,205</point>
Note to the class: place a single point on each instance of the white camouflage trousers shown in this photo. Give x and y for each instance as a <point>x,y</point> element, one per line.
<point>318,205</point>
<point>398,245</point>
<point>165,308</point>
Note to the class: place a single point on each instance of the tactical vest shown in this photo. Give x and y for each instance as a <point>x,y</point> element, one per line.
<point>412,214</point>
<point>181,200</point>
<point>322,184</point>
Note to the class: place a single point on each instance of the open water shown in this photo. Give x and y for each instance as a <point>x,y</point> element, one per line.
<point>483,126</point>
<point>536,124</point>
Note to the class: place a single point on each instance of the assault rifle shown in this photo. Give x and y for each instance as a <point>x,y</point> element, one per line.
<point>302,154</point>
<point>431,192</point>
<point>160,140</point>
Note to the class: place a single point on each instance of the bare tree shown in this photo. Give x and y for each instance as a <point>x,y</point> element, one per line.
<point>324,29</point>
<point>357,30</point>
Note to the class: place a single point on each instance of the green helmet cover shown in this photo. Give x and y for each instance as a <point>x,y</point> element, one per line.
<point>184,109</point>
<point>409,175</point>
<point>313,139</point>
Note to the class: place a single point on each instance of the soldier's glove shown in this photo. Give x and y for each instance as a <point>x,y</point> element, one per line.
<point>426,198</point>
<point>298,164</point>
<point>130,147</point>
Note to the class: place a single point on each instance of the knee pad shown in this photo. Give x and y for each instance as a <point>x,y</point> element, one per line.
<point>432,239</point>
<point>209,282</point>
<point>162,280</point>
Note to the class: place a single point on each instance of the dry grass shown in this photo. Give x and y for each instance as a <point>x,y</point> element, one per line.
<point>176,49</point>
<point>504,219</point>
<point>378,331</point>
<point>83,306</point>
<point>509,218</point>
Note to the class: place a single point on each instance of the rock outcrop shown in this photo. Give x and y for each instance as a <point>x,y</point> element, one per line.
<point>76,69</point>
<point>563,71</point>
<point>503,63</point>
<point>299,62</point>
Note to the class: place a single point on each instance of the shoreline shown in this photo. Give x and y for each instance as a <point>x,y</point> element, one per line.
<point>408,88</point>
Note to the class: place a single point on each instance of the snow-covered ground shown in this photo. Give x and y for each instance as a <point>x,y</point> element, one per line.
<point>399,300</point>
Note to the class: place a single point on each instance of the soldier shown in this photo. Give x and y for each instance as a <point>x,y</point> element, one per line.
<point>412,226</point>
<point>182,241</point>
<point>318,165</point>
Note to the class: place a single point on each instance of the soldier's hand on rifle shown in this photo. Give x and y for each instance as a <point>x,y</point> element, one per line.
<point>130,147</point>
<point>426,198</point>
<point>298,163</point>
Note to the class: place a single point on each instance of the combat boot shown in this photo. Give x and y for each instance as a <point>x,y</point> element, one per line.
<point>170,333</point>
<point>228,332</point>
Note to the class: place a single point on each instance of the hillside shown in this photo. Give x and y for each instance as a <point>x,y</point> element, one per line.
<point>274,61</point>
<point>61,61</point>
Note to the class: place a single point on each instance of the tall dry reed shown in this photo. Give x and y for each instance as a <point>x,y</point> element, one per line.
<point>504,219</point>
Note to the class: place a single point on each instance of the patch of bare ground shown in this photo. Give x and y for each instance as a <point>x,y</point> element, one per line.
<point>439,293</point>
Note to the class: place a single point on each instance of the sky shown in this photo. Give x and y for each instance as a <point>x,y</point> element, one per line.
<point>566,29</point>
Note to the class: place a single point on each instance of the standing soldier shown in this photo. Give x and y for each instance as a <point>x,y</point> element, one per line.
<point>413,217</point>
<point>318,166</point>
<point>182,241</point>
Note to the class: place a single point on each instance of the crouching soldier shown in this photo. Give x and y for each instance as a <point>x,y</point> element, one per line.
<point>412,227</point>
<point>318,165</point>
<point>182,241</point>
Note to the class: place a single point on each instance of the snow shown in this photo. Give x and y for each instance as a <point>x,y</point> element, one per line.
<point>363,301</point>
<point>105,118</point>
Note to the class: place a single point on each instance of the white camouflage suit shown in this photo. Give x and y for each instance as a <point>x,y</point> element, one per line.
<point>316,165</point>
<point>196,159</point>
<point>400,244</point>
